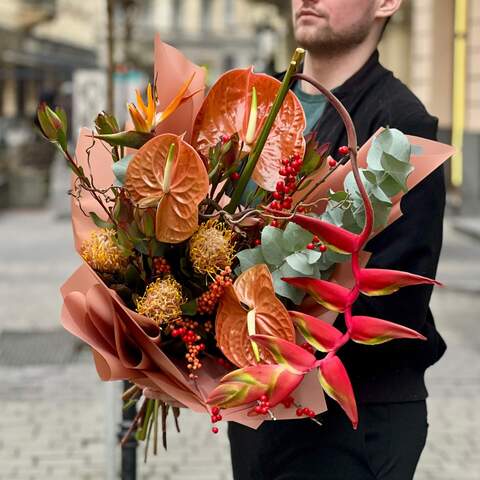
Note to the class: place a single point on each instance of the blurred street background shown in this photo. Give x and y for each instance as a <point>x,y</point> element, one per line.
<point>57,419</point>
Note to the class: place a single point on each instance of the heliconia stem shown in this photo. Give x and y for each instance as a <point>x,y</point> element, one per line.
<point>352,146</point>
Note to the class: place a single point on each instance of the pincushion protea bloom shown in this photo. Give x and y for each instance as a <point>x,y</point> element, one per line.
<point>102,252</point>
<point>162,300</point>
<point>211,247</point>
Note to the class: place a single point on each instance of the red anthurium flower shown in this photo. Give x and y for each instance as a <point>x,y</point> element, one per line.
<point>329,294</point>
<point>239,102</point>
<point>336,384</point>
<point>377,281</point>
<point>318,333</point>
<point>246,385</point>
<point>286,353</point>
<point>336,238</point>
<point>373,331</point>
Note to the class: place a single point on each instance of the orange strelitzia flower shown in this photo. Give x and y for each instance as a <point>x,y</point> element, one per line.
<point>145,117</point>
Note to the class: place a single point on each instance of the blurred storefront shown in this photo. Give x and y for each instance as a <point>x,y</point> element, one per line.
<point>434,46</point>
<point>40,49</point>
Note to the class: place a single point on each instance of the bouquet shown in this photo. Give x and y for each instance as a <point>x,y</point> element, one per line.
<point>219,244</point>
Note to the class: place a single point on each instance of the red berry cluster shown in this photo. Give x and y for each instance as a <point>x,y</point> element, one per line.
<point>305,412</point>
<point>343,150</point>
<point>282,196</point>
<point>316,243</point>
<point>185,329</point>
<point>215,417</point>
<point>263,406</point>
<point>161,266</point>
<point>207,302</point>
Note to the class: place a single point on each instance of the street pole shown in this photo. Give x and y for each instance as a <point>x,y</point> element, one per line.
<point>129,448</point>
<point>110,56</point>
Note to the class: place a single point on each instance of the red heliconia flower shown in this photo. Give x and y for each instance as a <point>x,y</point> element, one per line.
<point>337,238</point>
<point>318,333</point>
<point>247,385</point>
<point>292,356</point>
<point>373,331</point>
<point>377,281</point>
<point>336,384</point>
<point>332,296</point>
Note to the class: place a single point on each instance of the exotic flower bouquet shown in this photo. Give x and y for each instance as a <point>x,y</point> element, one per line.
<point>220,244</point>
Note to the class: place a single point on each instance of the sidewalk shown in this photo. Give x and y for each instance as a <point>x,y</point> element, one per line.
<point>52,424</point>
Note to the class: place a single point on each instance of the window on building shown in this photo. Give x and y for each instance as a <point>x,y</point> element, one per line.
<point>206,15</point>
<point>229,13</point>
<point>177,11</point>
<point>228,62</point>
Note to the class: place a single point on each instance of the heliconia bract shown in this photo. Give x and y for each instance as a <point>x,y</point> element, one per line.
<point>318,333</point>
<point>373,331</point>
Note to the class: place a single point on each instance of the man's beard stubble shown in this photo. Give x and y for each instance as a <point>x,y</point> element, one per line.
<point>326,41</point>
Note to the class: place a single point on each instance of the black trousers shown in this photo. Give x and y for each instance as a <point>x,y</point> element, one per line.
<point>386,446</point>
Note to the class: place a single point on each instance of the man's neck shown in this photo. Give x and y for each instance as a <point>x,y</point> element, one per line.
<point>333,70</point>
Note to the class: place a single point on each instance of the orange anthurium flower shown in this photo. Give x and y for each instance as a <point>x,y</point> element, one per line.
<point>249,307</point>
<point>239,102</point>
<point>145,118</point>
<point>167,173</point>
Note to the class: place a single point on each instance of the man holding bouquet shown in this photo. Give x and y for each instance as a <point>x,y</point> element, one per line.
<point>341,38</point>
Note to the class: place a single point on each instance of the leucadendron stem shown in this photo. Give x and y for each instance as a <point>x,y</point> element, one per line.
<point>264,132</point>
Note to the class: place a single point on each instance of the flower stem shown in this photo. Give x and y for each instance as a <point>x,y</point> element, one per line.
<point>264,132</point>
<point>352,146</point>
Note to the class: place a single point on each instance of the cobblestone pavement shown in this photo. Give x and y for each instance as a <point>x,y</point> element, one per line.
<point>53,417</point>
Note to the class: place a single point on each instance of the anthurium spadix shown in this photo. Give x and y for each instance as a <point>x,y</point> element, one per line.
<point>246,385</point>
<point>318,333</point>
<point>336,384</point>
<point>337,238</point>
<point>377,281</point>
<point>295,358</point>
<point>332,296</point>
<point>373,331</point>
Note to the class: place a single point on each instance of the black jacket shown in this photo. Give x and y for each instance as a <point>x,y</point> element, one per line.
<point>394,371</point>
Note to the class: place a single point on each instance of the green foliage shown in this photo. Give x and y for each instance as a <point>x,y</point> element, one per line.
<point>388,169</point>
<point>315,154</point>
<point>120,169</point>
<point>131,139</point>
<point>99,222</point>
<point>190,308</point>
<point>286,255</point>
